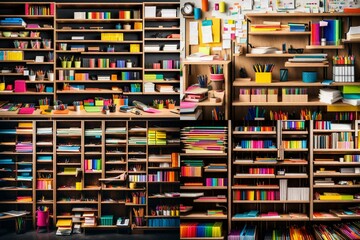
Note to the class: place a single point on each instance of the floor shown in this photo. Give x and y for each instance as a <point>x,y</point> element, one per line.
<point>98,236</point>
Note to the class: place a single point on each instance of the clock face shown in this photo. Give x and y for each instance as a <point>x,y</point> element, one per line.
<point>188,8</point>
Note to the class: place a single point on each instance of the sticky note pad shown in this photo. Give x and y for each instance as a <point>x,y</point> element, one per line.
<point>205,50</point>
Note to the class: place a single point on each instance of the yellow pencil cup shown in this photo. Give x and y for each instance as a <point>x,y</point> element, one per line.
<point>263,77</point>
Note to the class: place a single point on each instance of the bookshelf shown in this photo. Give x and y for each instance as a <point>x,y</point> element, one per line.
<point>30,41</point>
<point>91,166</point>
<point>204,179</point>
<point>17,171</point>
<point>161,48</point>
<point>334,172</point>
<point>100,43</point>
<point>302,40</point>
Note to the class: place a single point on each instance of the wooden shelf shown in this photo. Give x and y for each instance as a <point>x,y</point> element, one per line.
<point>311,102</point>
<point>284,33</point>
<point>254,133</point>
<point>277,83</point>
<point>325,47</point>
<point>65,20</point>
<point>283,55</point>
<point>99,41</point>
<point>202,238</point>
<point>336,186</point>
<point>97,68</point>
<point>268,201</point>
<point>203,216</point>
<point>306,65</point>
<point>100,30</point>
<point>255,149</point>
<point>307,15</point>
<point>271,219</point>
<point>335,163</point>
<point>203,188</point>
<point>254,187</point>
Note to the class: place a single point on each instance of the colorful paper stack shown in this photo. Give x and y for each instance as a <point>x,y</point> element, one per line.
<point>204,139</point>
<point>191,230</point>
<point>192,168</point>
<point>24,147</point>
<point>92,165</point>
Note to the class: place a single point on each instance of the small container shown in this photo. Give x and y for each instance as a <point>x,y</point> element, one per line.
<point>216,81</point>
<point>309,77</point>
<point>323,42</point>
<point>129,64</point>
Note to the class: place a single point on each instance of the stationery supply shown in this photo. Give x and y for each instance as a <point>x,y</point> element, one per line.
<point>263,67</point>
<point>343,68</point>
<point>204,230</point>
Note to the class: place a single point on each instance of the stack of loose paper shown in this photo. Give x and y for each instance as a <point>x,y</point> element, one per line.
<point>329,96</point>
<point>354,33</point>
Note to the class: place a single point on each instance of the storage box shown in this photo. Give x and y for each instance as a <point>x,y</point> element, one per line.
<point>258,98</point>
<point>244,97</point>
<point>263,77</point>
<point>20,86</point>
<point>295,98</point>
<point>138,25</point>
<point>134,47</point>
<point>272,98</point>
<point>107,220</point>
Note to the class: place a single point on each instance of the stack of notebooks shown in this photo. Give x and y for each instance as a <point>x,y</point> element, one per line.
<point>329,96</point>
<point>189,111</point>
<point>69,131</point>
<point>24,128</point>
<point>44,131</point>
<point>149,87</point>
<point>68,148</point>
<point>204,139</point>
<point>114,141</point>
<point>90,219</point>
<point>195,93</point>
<point>164,88</point>
<point>309,58</point>
<point>24,199</point>
<point>137,140</point>
<point>95,132</point>
<point>115,130</point>
<point>64,227</point>
<point>24,147</point>
<point>170,47</point>
<point>247,232</point>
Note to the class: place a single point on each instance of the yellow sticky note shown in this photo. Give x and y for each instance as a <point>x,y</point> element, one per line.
<point>204,50</point>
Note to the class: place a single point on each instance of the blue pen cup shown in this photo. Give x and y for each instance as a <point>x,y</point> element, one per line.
<point>197,13</point>
<point>284,74</point>
<point>309,77</point>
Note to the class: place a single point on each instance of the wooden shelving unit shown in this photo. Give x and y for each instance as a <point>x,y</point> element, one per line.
<point>205,180</point>
<point>302,40</point>
<point>46,33</point>
<point>62,26</point>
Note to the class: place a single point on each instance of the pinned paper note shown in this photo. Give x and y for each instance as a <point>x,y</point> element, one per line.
<point>206,32</point>
<point>247,4</point>
<point>226,44</point>
<point>205,50</point>
<point>194,36</point>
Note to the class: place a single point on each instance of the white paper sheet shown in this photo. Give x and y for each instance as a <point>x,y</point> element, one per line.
<point>207,36</point>
<point>194,33</point>
<point>226,44</point>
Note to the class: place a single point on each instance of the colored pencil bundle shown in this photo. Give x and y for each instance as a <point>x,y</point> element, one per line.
<point>200,230</point>
<point>192,168</point>
<point>206,139</point>
<point>256,195</point>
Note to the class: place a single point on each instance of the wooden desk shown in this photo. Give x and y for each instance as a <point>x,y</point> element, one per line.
<point>19,226</point>
<point>165,113</point>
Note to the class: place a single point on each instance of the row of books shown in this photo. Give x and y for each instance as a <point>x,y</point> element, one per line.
<point>164,222</point>
<point>294,144</point>
<point>69,131</point>
<point>92,165</point>
<point>341,140</point>
<point>166,176</point>
<point>261,171</point>
<point>216,182</point>
<point>24,147</point>
<point>137,178</point>
<point>94,132</point>
<point>192,168</point>
<point>115,130</point>
<point>293,125</point>
<point>45,184</point>
<point>246,144</point>
<point>188,230</point>
<point>352,158</point>
<point>46,9</point>
<point>256,195</point>
<point>255,128</point>
<point>44,131</point>
<point>68,148</point>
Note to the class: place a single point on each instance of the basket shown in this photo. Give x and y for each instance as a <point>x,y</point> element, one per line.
<point>106,220</point>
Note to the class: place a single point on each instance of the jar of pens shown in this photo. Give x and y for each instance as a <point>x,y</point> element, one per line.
<point>77,105</point>
<point>216,77</point>
<point>159,104</point>
<point>44,104</point>
<point>263,72</point>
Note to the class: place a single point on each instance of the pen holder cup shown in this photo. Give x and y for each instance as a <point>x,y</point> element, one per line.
<point>309,77</point>
<point>44,107</point>
<point>2,86</point>
<point>112,108</point>
<point>159,106</point>
<point>139,221</point>
<point>46,43</point>
<point>35,44</point>
<point>217,81</point>
<point>263,77</point>
<point>171,105</point>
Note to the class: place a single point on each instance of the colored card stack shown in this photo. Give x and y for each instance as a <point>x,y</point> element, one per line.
<point>256,195</point>
<point>192,168</point>
<point>92,165</point>
<point>160,176</point>
<point>188,230</point>
<point>216,182</point>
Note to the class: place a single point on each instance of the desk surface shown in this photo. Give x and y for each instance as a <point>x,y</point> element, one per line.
<point>165,113</point>
<point>7,216</point>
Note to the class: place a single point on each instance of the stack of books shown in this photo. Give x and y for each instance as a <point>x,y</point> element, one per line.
<point>297,27</point>
<point>195,93</point>
<point>90,219</point>
<point>170,47</point>
<point>308,57</point>
<point>165,88</point>
<point>24,147</point>
<point>329,96</point>
<point>189,111</point>
<point>64,227</point>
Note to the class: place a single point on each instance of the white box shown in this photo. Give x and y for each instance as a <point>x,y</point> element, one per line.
<point>150,11</point>
<point>79,15</point>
